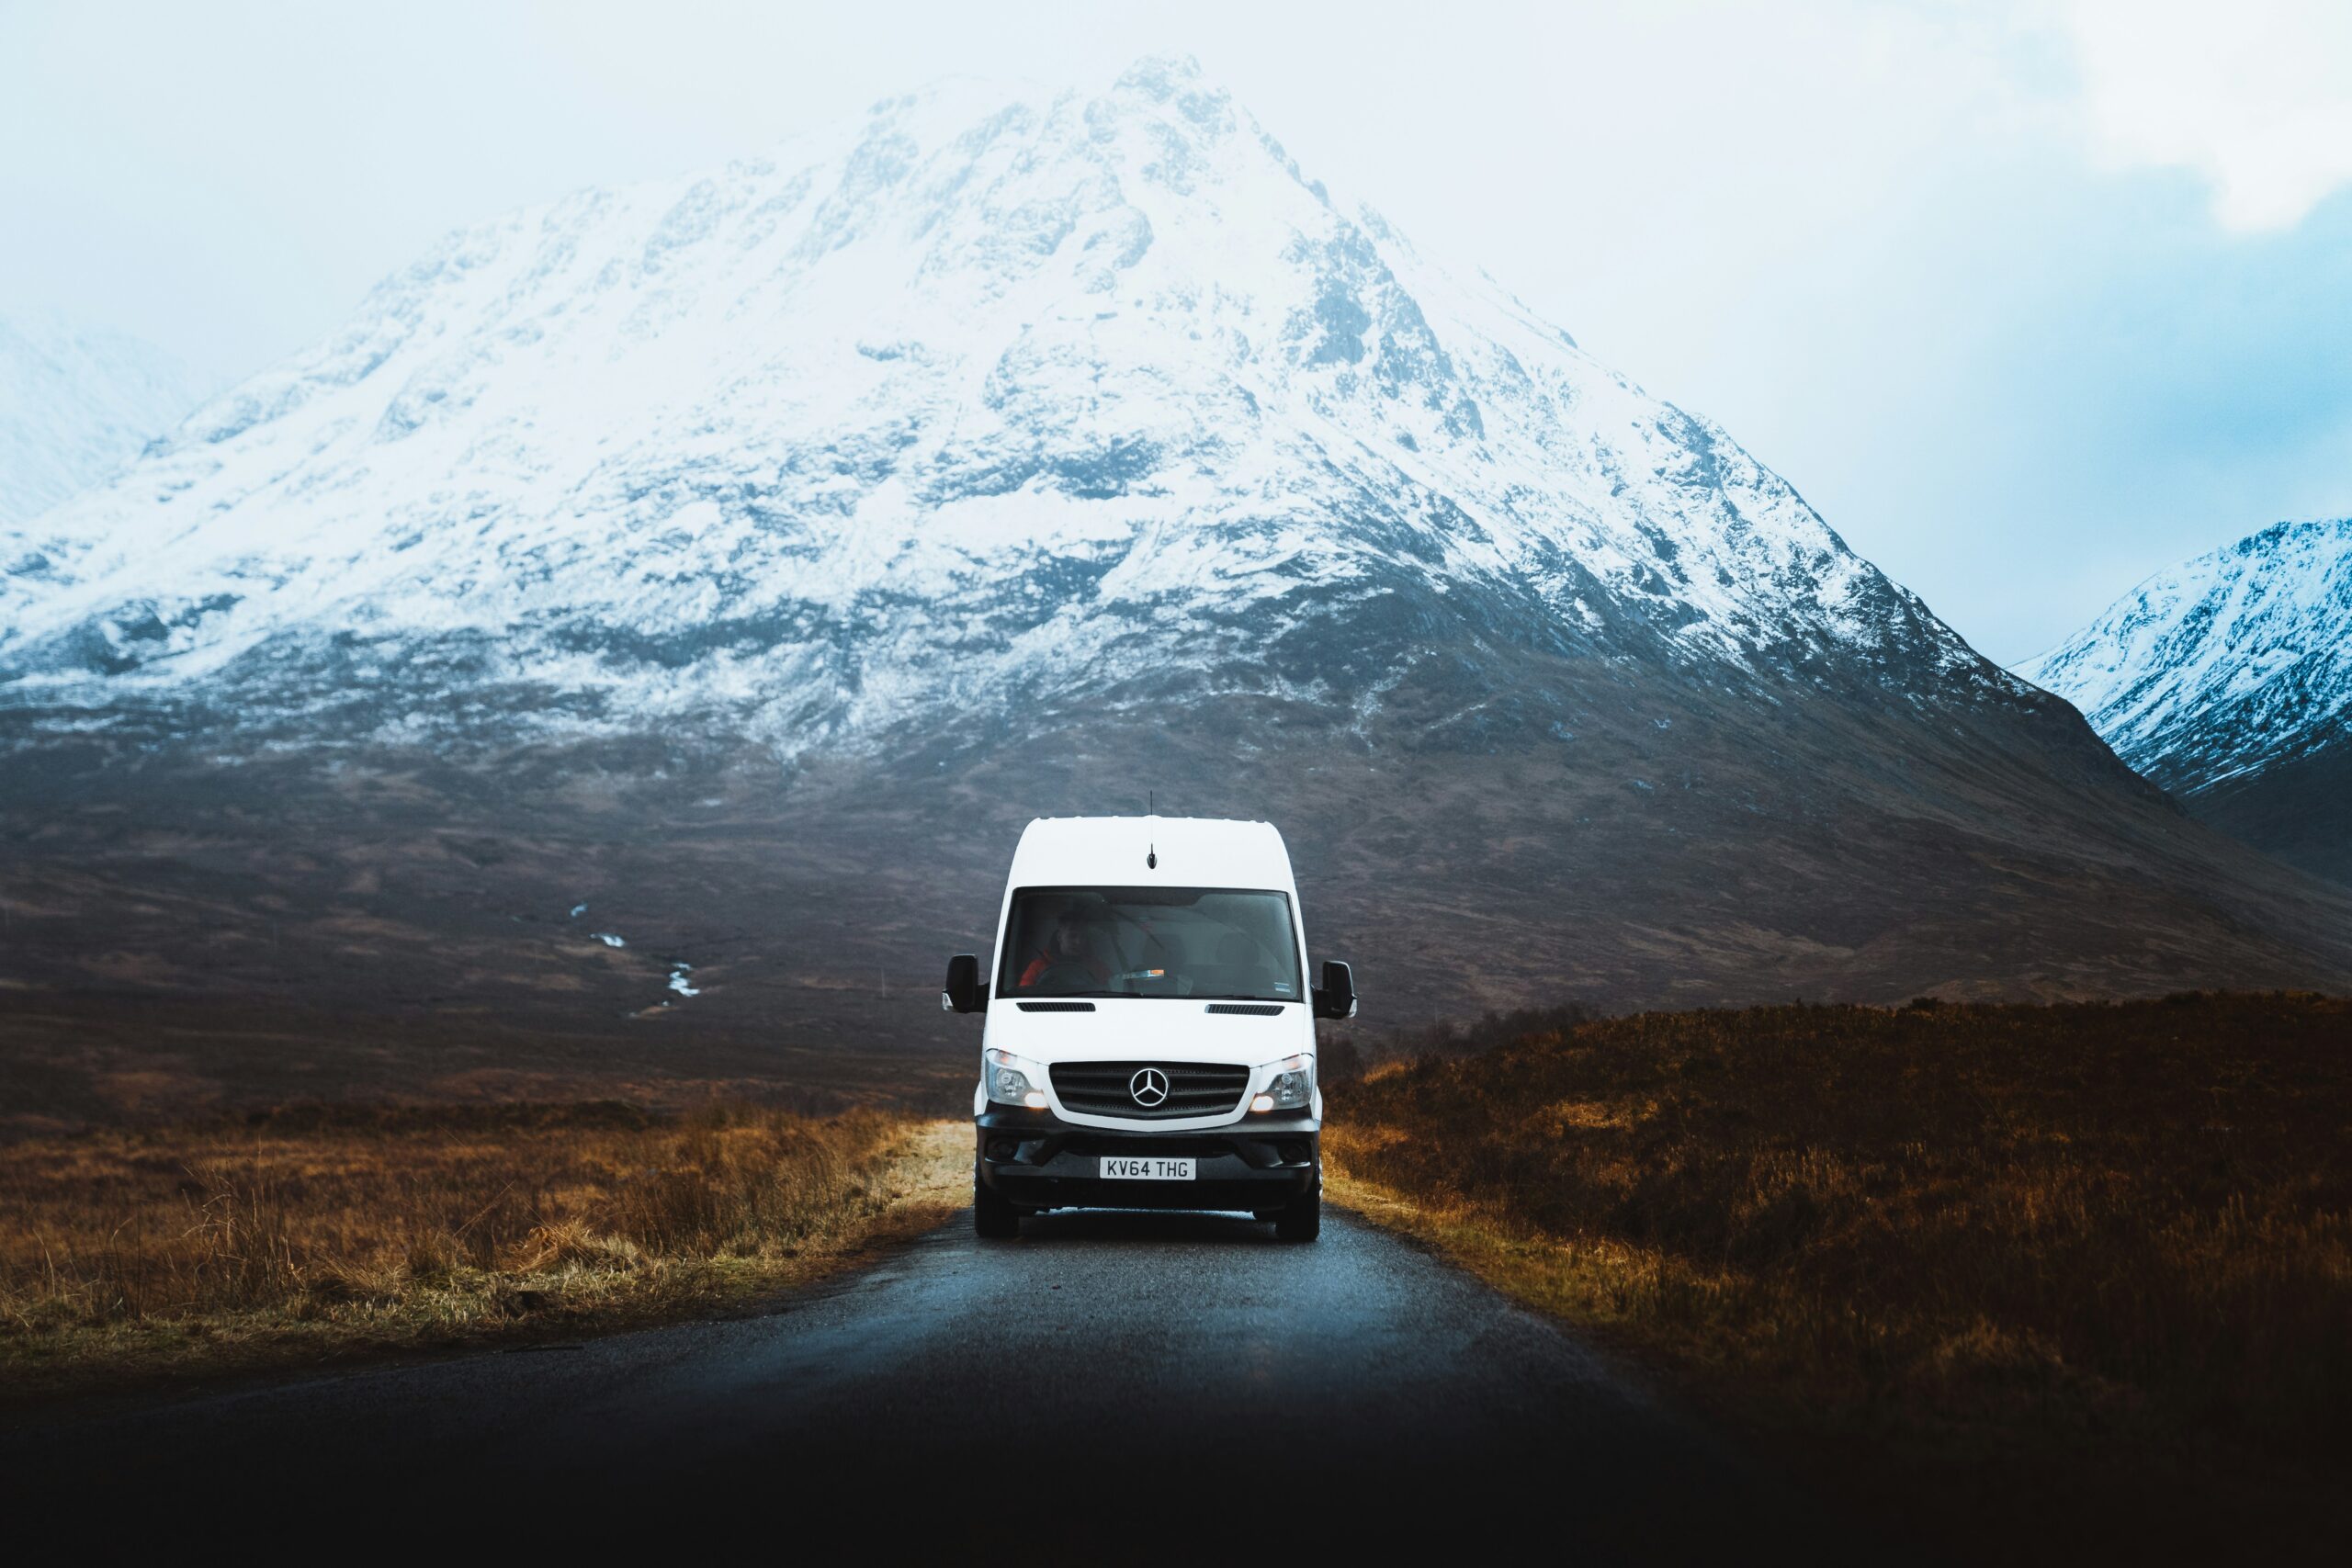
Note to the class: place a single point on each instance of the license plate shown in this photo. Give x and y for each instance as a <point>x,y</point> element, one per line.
<point>1129,1167</point>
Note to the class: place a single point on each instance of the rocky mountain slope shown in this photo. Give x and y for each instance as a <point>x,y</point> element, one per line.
<point>76,404</point>
<point>744,559</point>
<point>2228,679</point>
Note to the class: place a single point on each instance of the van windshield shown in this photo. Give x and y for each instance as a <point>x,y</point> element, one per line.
<point>1149,942</point>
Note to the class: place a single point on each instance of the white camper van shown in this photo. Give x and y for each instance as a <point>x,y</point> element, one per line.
<point>1150,1034</point>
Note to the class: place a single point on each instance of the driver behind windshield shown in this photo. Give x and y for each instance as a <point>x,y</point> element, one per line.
<point>1075,945</point>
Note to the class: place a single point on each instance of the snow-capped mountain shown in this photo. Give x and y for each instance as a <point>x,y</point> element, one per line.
<point>992,396</point>
<point>2228,679</point>
<point>77,402</point>
<point>748,557</point>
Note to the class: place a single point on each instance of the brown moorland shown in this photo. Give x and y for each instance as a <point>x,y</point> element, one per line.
<point>2053,1280</point>
<point>287,1237</point>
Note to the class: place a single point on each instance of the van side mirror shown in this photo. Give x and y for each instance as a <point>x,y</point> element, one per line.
<point>1336,997</point>
<point>963,991</point>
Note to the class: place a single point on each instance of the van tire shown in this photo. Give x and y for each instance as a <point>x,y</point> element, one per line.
<point>1302,1220</point>
<point>993,1216</point>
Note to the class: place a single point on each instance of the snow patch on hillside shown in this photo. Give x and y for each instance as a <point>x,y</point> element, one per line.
<point>77,402</point>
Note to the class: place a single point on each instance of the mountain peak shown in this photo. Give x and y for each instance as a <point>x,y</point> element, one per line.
<point>2225,665</point>
<point>2330,532</point>
<point>992,393</point>
<point>1165,77</point>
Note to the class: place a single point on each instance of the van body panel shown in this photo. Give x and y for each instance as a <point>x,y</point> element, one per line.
<point>1139,1027</point>
<point>1047,1156</point>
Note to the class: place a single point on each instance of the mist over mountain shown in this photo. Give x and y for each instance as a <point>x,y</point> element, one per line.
<point>743,558</point>
<point>77,402</point>
<point>2228,679</point>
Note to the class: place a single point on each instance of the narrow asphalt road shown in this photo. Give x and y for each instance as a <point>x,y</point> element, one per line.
<point>1155,1385</point>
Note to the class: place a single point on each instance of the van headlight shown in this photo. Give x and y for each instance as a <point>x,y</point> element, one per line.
<point>1013,1080</point>
<point>1293,1085</point>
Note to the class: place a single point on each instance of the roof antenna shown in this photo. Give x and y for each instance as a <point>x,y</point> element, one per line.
<point>1151,852</point>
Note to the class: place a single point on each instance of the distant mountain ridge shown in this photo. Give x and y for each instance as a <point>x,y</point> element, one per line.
<point>2228,679</point>
<point>77,402</point>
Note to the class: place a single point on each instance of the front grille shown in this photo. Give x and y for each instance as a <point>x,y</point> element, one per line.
<point>1194,1088</point>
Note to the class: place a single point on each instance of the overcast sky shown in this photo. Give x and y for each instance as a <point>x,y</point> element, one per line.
<point>2030,300</point>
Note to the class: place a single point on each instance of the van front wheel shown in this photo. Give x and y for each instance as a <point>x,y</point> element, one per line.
<point>1303,1219</point>
<point>993,1216</point>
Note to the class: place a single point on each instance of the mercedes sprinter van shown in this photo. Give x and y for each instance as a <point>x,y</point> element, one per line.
<point>1149,1034</point>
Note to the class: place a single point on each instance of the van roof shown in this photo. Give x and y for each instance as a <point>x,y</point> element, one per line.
<point>1192,852</point>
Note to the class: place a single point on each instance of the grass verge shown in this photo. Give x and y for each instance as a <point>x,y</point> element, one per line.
<point>2041,1281</point>
<point>134,1257</point>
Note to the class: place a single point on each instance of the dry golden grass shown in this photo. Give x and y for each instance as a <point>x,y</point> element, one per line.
<point>127,1254</point>
<point>2085,1268</point>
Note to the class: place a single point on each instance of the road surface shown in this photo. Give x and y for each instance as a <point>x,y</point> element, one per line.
<point>1147,1385</point>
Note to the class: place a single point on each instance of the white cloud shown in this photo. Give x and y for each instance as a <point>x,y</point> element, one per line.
<point>2254,96</point>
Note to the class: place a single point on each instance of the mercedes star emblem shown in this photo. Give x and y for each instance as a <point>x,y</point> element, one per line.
<point>1149,1086</point>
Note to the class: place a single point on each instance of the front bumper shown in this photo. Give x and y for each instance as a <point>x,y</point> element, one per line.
<point>1039,1161</point>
